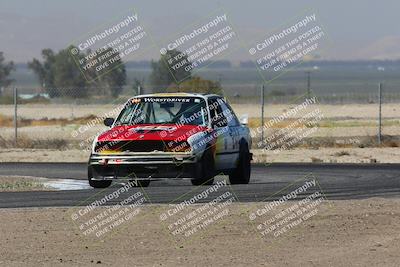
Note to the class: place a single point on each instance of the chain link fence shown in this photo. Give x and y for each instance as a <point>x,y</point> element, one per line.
<point>71,121</point>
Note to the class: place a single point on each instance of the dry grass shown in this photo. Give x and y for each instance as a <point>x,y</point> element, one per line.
<point>57,142</point>
<point>26,142</point>
<point>391,143</point>
<point>6,121</point>
<point>256,122</point>
<point>308,143</point>
<point>328,123</point>
<point>335,142</point>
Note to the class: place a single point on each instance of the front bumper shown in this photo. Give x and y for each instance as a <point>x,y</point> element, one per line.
<point>142,166</point>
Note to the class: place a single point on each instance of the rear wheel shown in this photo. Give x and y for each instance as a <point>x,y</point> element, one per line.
<point>97,183</point>
<point>205,170</point>
<point>241,174</point>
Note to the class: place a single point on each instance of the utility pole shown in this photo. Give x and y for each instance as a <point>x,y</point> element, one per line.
<point>15,117</point>
<point>262,113</point>
<point>219,78</point>
<point>380,115</point>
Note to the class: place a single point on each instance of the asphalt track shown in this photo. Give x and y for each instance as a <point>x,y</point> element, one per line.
<point>268,182</point>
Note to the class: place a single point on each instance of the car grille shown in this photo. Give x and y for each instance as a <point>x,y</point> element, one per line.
<point>141,146</point>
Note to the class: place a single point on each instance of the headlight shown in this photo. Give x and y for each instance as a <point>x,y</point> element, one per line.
<point>94,144</point>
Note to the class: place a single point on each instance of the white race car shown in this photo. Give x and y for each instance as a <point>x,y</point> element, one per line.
<point>177,135</point>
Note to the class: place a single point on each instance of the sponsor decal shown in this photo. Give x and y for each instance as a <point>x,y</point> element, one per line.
<point>168,99</point>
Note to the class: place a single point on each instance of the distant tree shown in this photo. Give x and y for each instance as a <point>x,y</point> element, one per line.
<point>5,71</point>
<point>67,77</point>
<point>197,85</point>
<point>61,77</point>
<point>58,74</point>
<point>163,74</point>
<point>112,79</point>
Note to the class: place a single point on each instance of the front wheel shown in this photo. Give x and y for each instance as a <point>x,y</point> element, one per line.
<point>97,183</point>
<point>205,170</point>
<point>241,174</point>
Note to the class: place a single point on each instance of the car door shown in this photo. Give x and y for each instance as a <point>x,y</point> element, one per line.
<point>221,133</point>
<point>234,129</point>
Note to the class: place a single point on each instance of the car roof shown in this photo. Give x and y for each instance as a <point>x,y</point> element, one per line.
<point>205,96</point>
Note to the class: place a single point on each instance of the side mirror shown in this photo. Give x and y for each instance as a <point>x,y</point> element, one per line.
<point>244,119</point>
<point>108,122</point>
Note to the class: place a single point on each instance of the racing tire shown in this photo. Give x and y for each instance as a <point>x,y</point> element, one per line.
<point>95,183</point>
<point>205,170</point>
<point>241,174</point>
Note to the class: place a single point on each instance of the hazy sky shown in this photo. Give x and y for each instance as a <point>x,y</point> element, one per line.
<point>357,28</point>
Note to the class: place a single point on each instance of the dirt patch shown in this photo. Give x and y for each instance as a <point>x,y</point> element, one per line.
<point>343,233</point>
<point>16,183</point>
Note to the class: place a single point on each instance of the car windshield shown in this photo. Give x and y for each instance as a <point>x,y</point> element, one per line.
<point>164,110</point>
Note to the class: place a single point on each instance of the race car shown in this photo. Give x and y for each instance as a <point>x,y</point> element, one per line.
<point>172,135</point>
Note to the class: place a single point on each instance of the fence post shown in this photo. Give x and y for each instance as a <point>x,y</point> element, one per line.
<point>308,84</point>
<point>15,117</point>
<point>262,114</point>
<point>380,115</point>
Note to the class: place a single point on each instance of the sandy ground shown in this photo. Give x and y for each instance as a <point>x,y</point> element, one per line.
<point>342,233</point>
<point>360,111</point>
<point>327,155</point>
<point>43,155</point>
<point>331,155</point>
<point>37,111</point>
<point>354,120</point>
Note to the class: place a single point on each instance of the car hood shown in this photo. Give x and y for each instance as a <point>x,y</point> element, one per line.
<point>166,132</point>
